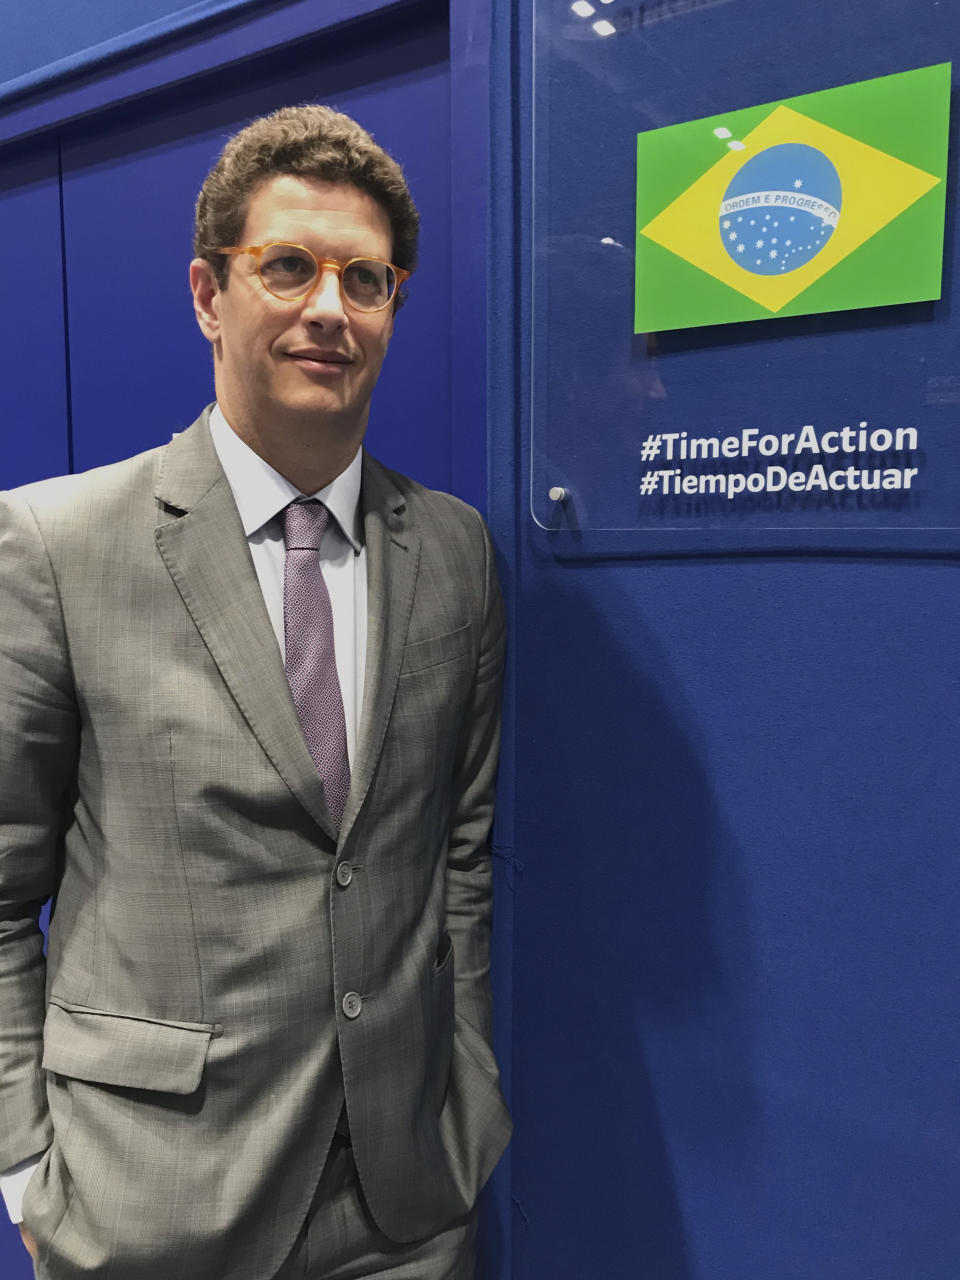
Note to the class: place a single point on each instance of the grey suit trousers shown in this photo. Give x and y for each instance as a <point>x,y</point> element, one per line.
<point>341,1241</point>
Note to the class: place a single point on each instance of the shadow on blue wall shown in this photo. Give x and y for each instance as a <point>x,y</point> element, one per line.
<point>640,847</point>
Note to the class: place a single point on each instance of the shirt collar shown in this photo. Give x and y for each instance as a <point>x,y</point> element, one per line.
<point>261,493</point>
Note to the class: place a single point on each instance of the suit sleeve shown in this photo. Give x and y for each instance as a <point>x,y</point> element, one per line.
<point>469,874</point>
<point>38,753</point>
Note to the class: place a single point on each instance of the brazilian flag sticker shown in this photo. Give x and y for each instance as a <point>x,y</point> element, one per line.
<point>825,202</point>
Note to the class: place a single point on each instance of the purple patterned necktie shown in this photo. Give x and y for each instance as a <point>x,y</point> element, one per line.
<point>310,659</point>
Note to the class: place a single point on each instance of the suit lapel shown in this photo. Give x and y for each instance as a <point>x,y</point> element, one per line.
<point>393,558</point>
<point>205,550</point>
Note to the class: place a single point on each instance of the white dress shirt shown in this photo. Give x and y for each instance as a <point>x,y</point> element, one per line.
<point>261,494</point>
<point>13,1184</point>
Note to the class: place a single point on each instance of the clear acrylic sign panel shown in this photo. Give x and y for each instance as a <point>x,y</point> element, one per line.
<point>742,250</point>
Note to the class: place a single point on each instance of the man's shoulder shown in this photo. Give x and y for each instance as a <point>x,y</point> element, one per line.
<point>108,492</point>
<point>98,485</point>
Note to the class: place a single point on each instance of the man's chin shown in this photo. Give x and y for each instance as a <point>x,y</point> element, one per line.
<point>314,412</point>
<point>309,398</point>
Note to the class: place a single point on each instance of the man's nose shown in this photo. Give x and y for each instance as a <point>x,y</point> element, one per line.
<point>325,305</point>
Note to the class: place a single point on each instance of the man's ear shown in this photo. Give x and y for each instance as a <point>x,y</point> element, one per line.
<point>206,298</point>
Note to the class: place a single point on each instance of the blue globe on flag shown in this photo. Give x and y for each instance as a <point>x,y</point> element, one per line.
<point>780,209</point>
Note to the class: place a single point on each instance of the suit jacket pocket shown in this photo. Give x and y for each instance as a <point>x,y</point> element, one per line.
<point>435,650</point>
<point>133,1052</point>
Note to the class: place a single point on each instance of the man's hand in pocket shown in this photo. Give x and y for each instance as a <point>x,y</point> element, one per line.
<point>29,1243</point>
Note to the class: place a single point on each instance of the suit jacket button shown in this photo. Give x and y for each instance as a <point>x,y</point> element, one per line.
<point>351,1004</point>
<point>344,874</point>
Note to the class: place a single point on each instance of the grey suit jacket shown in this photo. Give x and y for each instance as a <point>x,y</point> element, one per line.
<point>183,1053</point>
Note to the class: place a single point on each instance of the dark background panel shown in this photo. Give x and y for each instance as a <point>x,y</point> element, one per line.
<point>49,33</point>
<point>735,1050</point>
<point>735,958</point>
<point>33,386</point>
<point>140,368</point>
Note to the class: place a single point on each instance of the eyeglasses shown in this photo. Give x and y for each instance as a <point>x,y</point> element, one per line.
<point>291,272</point>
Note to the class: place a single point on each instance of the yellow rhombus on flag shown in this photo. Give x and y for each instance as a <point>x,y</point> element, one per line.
<point>876,189</point>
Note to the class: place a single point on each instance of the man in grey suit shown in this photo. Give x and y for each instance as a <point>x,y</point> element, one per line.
<point>249,719</point>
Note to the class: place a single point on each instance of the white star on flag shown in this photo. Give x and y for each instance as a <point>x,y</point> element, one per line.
<point>773,253</point>
<point>759,244</point>
<point>798,184</point>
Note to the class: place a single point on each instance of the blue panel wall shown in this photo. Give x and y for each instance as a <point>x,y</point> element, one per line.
<point>33,388</point>
<point>736,957</point>
<point>736,953</point>
<point>56,37</point>
<point>146,166</point>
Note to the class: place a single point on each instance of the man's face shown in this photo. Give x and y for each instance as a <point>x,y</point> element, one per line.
<point>309,361</point>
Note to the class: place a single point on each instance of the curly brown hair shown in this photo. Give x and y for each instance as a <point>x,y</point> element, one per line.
<point>306,142</point>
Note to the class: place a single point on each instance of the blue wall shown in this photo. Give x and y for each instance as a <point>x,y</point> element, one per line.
<point>51,40</point>
<point>734,788</point>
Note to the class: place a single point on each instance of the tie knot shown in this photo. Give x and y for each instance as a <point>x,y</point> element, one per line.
<point>303,525</point>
